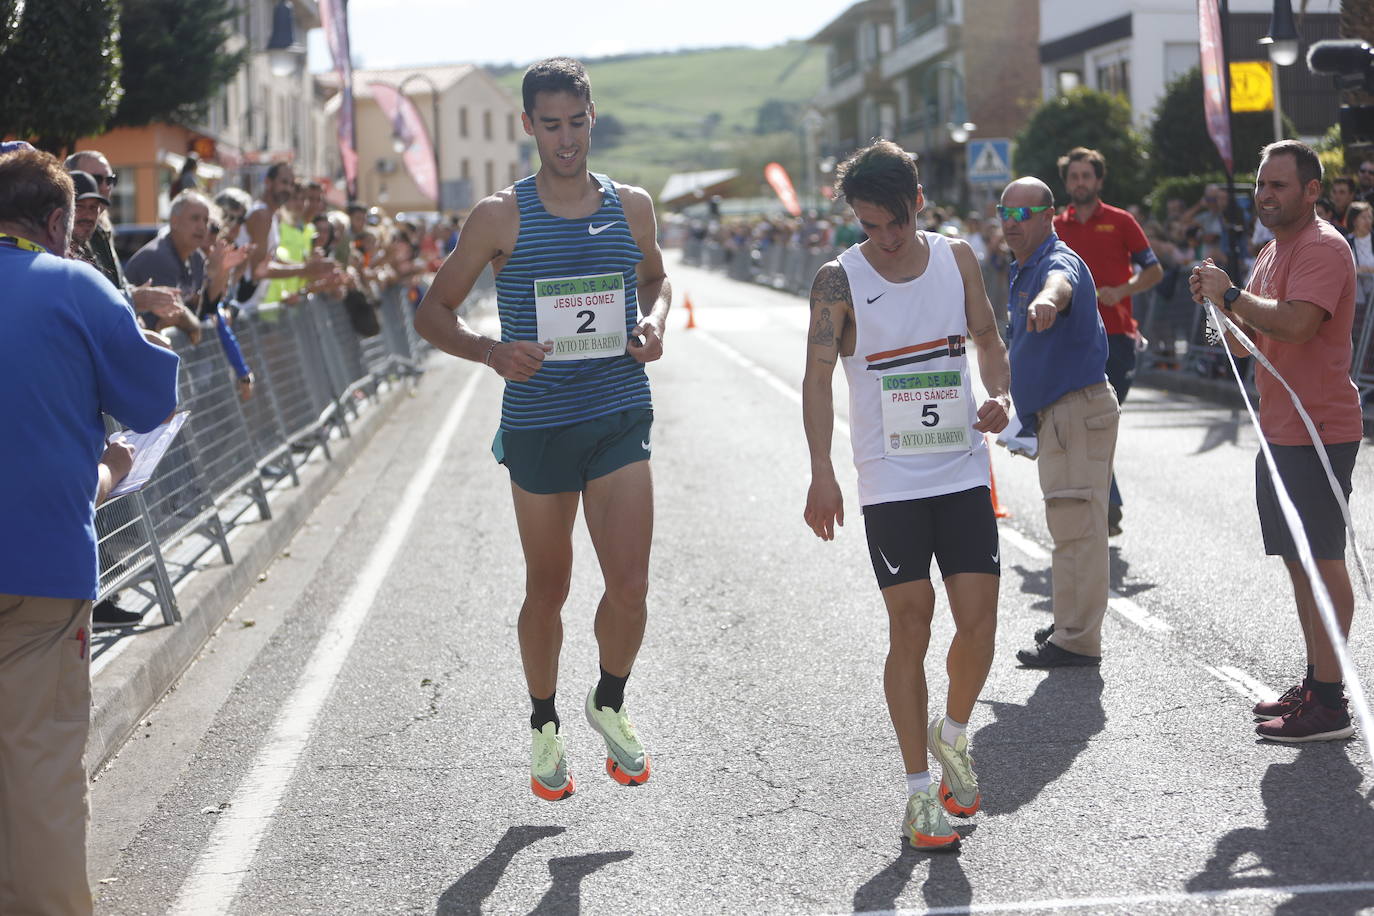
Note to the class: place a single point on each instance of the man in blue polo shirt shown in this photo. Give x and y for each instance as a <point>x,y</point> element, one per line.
<point>1058,351</point>
<point>71,350</point>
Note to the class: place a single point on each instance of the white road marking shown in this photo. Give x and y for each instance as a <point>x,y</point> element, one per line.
<point>1136,900</point>
<point>225,862</point>
<point>1022,543</point>
<point>1248,687</point>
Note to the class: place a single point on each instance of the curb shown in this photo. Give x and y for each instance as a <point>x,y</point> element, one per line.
<point>124,691</point>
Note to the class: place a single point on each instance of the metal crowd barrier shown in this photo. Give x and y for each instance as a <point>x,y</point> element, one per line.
<point>312,374</point>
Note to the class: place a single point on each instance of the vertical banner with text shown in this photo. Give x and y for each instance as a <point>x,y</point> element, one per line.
<point>1214,94</point>
<point>407,124</point>
<point>334,19</point>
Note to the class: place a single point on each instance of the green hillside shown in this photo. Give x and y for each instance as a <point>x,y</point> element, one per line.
<point>690,110</point>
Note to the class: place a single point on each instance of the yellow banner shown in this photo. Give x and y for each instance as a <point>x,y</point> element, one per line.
<point>1252,85</point>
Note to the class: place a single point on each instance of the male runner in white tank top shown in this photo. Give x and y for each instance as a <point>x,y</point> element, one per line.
<point>898,309</point>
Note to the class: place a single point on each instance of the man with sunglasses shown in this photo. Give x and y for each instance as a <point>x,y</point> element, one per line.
<point>1058,349</point>
<point>1366,179</point>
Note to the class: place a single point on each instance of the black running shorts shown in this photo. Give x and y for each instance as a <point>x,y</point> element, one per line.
<point>958,529</point>
<point>1303,477</point>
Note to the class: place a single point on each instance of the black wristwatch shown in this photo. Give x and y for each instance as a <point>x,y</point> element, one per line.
<point>1229,297</point>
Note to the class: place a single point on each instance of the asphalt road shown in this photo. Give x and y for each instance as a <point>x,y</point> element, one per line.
<point>354,739</point>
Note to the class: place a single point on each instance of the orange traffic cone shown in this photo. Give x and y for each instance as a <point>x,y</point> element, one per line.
<point>691,312</point>
<point>997,508</point>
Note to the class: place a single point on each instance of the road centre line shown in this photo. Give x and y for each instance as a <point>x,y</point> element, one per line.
<point>219,872</point>
<point>1136,900</point>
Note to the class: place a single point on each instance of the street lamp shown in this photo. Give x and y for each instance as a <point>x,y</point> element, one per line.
<point>283,50</point>
<point>1282,42</point>
<point>399,142</point>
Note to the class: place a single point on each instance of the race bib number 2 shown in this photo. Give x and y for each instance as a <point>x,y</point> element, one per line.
<point>583,317</point>
<point>924,412</point>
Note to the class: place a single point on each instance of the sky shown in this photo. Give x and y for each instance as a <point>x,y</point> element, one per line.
<point>394,33</point>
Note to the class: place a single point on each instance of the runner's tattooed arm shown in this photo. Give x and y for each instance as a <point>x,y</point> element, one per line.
<point>832,310</point>
<point>993,367</point>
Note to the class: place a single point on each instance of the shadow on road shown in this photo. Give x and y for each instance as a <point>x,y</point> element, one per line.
<point>1036,582</point>
<point>1319,830</point>
<point>1031,746</point>
<point>465,896</point>
<point>945,884</point>
<point>1221,432</point>
<point>565,894</point>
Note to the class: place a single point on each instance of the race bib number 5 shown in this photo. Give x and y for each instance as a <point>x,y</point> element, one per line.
<point>583,317</point>
<point>924,412</point>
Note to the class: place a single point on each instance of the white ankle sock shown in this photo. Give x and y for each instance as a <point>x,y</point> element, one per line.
<point>951,730</point>
<point>917,782</point>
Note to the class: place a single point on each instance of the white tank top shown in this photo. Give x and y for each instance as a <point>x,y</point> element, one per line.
<point>911,407</point>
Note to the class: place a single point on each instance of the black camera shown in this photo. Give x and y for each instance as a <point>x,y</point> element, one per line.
<point>1351,62</point>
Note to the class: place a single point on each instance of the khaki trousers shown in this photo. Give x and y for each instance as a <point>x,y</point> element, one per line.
<point>45,701</point>
<point>1077,444</point>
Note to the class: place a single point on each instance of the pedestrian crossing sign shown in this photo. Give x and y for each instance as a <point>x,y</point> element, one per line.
<point>989,160</point>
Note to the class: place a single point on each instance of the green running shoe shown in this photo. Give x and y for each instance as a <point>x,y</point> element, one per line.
<point>549,775</point>
<point>626,761</point>
<point>925,825</point>
<point>958,783</point>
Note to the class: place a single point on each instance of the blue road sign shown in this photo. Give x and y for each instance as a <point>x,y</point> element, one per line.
<point>989,160</point>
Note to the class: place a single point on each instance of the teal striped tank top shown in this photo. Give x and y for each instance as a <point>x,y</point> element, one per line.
<point>567,278</point>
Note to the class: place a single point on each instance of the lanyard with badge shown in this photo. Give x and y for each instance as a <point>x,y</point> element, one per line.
<point>924,412</point>
<point>583,317</point>
<point>22,244</point>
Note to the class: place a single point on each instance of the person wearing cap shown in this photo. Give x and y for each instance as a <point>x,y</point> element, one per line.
<point>90,207</point>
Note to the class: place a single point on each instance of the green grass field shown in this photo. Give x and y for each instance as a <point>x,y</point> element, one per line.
<point>692,110</point>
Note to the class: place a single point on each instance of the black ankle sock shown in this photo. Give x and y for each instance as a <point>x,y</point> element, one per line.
<point>543,713</point>
<point>1311,672</point>
<point>1330,695</point>
<point>610,690</point>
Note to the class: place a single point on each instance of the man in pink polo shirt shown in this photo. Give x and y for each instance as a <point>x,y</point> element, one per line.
<point>1298,307</point>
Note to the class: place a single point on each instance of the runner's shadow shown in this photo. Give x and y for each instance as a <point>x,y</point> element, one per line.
<point>565,894</point>
<point>1031,746</point>
<point>1319,830</point>
<point>465,896</point>
<point>945,884</point>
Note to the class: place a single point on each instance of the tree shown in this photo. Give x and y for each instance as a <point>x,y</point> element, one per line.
<point>610,131</point>
<point>61,72</point>
<point>10,13</point>
<point>1180,144</point>
<point>1085,117</point>
<point>775,116</point>
<point>175,60</point>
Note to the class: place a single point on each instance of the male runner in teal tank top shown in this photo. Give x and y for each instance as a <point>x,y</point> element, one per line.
<point>583,299</point>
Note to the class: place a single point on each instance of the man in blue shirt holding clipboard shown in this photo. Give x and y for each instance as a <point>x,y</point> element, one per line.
<point>71,351</point>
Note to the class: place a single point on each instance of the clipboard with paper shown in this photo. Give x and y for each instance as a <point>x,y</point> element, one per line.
<point>149,448</point>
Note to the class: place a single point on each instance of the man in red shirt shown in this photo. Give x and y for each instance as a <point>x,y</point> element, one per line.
<point>1114,246</point>
<point>1298,306</point>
